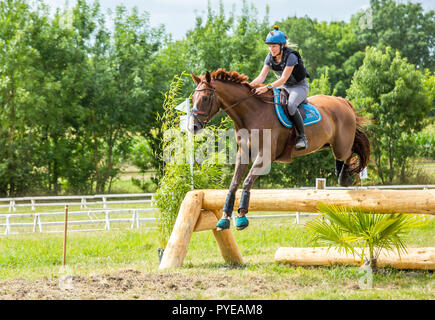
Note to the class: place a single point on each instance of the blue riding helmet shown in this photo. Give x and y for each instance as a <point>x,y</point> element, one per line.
<point>276,37</point>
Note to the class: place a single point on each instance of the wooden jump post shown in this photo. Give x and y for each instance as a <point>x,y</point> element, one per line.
<point>191,218</point>
<point>201,209</point>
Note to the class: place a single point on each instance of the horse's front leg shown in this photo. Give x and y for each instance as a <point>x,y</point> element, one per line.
<point>261,163</point>
<point>242,163</point>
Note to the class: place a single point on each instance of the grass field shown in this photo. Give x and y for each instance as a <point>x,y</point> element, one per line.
<point>123,264</point>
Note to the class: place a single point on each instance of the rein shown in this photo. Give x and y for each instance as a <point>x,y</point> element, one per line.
<point>202,113</point>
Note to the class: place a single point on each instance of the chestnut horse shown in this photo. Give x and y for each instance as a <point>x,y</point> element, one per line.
<point>339,129</point>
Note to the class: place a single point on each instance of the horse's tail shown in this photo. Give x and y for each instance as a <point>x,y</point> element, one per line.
<point>361,147</point>
<point>361,144</point>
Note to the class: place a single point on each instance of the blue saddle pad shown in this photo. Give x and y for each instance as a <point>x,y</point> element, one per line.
<point>312,115</point>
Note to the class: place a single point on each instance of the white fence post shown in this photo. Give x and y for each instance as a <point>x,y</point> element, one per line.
<point>35,222</point>
<point>83,204</point>
<point>8,226</point>
<point>133,219</point>
<point>137,218</point>
<point>33,204</point>
<point>107,226</point>
<point>39,223</point>
<point>297,217</point>
<point>104,203</point>
<point>12,205</point>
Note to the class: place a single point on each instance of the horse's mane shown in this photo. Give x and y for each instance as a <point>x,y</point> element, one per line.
<point>231,76</point>
<point>235,77</point>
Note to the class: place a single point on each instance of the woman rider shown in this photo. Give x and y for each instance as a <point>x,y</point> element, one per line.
<point>290,71</point>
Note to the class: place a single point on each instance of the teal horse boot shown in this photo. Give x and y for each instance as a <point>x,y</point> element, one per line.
<point>241,223</point>
<point>223,224</point>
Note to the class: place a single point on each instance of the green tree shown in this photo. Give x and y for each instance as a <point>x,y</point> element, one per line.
<point>20,84</point>
<point>323,45</point>
<point>402,26</point>
<point>115,104</point>
<point>396,96</point>
<point>62,64</point>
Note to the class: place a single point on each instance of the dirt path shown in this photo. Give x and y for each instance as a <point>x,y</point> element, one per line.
<point>133,284</point>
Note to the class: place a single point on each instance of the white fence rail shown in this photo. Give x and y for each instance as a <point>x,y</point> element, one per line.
<point>83,201</point>
<point>7,221</point>
<point>38,224</point>
<point>134,220</point>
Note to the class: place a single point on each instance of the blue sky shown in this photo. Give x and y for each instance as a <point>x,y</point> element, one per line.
<point>179,16</point>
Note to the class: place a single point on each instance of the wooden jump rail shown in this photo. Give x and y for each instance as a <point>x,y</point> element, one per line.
<point>201,209</point>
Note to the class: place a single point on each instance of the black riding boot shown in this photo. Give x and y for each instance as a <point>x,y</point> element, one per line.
<point>301,139</point>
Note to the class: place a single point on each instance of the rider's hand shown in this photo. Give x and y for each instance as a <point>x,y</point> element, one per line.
<point>261,90</point>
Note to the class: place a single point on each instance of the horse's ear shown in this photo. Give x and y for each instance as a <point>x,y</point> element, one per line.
<point>208,77</point>
<point>195,78</point>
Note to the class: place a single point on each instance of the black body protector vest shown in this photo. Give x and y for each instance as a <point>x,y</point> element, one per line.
<point>299,71</point>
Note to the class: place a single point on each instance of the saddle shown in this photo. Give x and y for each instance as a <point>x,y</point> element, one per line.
<point>283,98</point>
<point>309,113</point>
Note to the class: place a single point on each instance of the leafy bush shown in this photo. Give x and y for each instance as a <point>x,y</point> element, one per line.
<point>177,177</point>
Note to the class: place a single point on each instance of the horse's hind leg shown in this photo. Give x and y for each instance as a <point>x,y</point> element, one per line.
<point>345,177</point>
<point>338,167</point>
<point>342,149</point>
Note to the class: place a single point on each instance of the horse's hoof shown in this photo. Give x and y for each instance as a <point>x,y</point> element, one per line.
<point>223,224</point>
<point>241,223</point>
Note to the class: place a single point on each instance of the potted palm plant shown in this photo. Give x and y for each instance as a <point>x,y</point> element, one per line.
<point>361,233</point>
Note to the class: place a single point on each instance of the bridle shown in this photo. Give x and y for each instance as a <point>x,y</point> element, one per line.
<point>195,112</point>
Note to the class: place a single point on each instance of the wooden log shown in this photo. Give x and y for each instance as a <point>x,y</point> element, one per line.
<point>415,258</point>
<point>207,221</point>
<point>178,242</point>
<point>376,201</point>
<point>227,244</point>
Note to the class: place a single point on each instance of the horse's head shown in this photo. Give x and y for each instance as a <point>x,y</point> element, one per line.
<point>205,101</point>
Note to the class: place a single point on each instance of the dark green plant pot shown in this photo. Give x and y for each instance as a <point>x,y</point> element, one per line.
<point>160,253</point>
